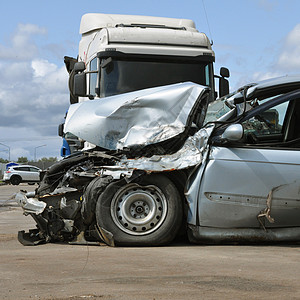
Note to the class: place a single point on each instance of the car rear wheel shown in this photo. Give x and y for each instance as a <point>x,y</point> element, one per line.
<point>144,213</point>
<point>15,180</point>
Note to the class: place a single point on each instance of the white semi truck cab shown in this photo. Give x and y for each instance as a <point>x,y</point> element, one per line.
<point>123,53</point>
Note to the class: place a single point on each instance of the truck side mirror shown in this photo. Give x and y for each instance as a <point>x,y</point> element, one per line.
<point>223,82</point>
<point>223,87</point>
<point>79,67</point>
<point>78,78</point>
<point>224,72</point>
<point>61,129</point>
<point>80,85</point>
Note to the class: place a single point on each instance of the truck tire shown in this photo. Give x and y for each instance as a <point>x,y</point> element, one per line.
<point>144,213</point>
<point>15,180</point>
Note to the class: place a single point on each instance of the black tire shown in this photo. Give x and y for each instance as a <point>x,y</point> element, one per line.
<point>144,213</point>
<point>31,183</point>
<point>90,196</point>
<point>15,180</point>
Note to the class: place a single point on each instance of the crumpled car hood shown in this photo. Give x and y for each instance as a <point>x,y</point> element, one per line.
<point>135,119</point>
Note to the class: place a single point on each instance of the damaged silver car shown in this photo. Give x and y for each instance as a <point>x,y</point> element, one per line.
<point>164,164</point>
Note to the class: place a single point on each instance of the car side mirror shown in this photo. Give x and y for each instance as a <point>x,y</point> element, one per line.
<point>233,133</point>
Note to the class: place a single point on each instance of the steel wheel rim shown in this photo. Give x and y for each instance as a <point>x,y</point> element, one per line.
<point>139,210</point>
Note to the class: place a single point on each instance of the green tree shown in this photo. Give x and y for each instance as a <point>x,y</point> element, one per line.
<point>48,159</point>
<point>22,160</point>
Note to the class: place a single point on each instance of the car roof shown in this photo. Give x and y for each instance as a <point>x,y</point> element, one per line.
<point>25,166</point>
<point>267,88</point>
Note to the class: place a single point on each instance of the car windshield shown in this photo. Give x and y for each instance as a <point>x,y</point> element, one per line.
<point>224,105</point>
<point>216,110</point>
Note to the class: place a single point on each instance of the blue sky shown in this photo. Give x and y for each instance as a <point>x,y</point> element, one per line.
<point>255,39</point>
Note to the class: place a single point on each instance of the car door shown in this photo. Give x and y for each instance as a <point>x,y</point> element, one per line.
<point>34,174</point>
<point>25,173</point>
<point>239,179</point>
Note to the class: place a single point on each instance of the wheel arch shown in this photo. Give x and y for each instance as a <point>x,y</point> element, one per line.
<point>179,179</point>
<point>17,177</point>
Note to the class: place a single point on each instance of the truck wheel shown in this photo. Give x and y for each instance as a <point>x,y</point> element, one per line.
<point>147,213</point>
<point>15,180</point>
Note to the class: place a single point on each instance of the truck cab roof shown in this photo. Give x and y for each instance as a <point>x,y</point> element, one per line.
<point>141,35</point>
<point>96,21</point>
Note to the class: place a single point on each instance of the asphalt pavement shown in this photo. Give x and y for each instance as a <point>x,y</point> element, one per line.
<point>180,271</point>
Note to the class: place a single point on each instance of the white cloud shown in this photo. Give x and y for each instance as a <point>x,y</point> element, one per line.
<point>24,33</point>
<point>15,153</point>
<point>289,59</point>
<point>15,72</point>
<point>50,78</point>
<point>42,67</point>
<point>32,88</point>
<point>283,60</point>
<point>22,46</point>
<point>33,95</point>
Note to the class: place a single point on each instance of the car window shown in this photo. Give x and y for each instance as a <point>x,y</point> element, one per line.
<point>277,126</point>
<point>33,169</point>
<point>267,123</point>
<point>22,169</point>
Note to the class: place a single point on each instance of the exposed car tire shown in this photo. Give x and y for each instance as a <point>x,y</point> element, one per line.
<point>15,180</point>
<point>90,196</point>
<point>144,213</point>
<point>31,183</point>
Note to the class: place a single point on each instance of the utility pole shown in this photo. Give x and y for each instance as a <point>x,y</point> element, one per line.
<point>35,150</point>
<point>8,150</point>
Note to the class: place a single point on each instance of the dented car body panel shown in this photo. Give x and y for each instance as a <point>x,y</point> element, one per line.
<point>234,179</point>
<point>256,172</point>
<point>134,119</point>
<point>190,155</point>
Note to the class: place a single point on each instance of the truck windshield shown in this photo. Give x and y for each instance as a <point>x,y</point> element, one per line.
<point>122,76</point>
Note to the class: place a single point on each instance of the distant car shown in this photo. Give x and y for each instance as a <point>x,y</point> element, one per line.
<point>22,173</point>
